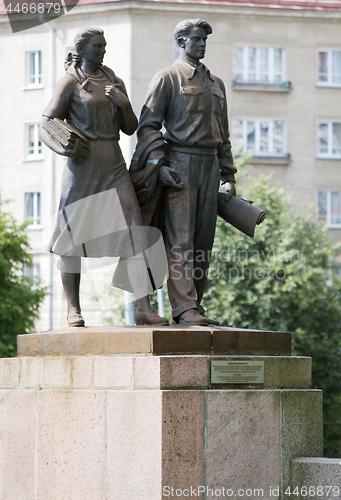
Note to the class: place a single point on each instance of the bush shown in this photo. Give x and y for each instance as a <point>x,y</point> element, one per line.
<point>20,297</point>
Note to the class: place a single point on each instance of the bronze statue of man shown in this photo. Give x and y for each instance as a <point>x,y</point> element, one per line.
<point>177,175</point>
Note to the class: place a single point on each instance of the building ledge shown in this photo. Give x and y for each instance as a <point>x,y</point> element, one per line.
<point>270,160</point>
<point>320,85</point>
<point>262,87</point>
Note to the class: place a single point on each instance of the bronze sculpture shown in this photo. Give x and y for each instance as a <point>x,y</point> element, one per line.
<point>177,175</point>
<point>82,122</point>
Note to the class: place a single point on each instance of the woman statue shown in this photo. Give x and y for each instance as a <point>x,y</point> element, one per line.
<point>83,120</point>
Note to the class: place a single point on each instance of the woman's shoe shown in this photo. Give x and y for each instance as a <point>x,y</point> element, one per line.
<point>75,319</point>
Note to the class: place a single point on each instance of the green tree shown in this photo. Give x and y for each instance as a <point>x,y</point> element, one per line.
<point>283,280</point>
<point>20,297</point>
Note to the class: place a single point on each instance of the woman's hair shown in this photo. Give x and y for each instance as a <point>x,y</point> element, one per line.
<point>185,27</point>
<point>81,39</point>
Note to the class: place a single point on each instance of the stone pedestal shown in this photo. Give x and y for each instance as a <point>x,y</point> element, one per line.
<point>316,478</point>
<point>141,422</point>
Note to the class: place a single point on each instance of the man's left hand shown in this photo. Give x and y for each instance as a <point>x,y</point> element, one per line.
<point>229,188</point>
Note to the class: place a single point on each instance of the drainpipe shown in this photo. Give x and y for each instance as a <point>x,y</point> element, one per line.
<point>51,185</point>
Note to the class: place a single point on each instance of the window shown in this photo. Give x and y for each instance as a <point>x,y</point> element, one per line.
<point>329,208</point>
<point>32,274</point>
<point>259,65</point>
<point>32,214</point>
<point>329,140</point>
<point>329,68</point>
<point>34,149</point>
<point>262,137</point>
<point>33,69</point>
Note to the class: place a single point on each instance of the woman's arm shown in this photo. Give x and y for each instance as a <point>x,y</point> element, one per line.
<point>73,149</point>
<point>118,95</point>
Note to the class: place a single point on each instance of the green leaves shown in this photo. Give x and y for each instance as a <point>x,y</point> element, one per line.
<point>19,299</point>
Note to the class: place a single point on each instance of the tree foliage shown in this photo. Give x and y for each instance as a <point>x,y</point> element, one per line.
<point>284,280</point>
<point>20,297</point>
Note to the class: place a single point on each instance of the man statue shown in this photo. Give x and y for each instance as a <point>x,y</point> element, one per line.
<point>177,174</point>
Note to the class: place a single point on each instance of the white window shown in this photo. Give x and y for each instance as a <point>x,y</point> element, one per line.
<point>329,208</point>
<point>329,68</point>
<point>262,137</point>
<point>33,69</point>
<point>34,149</point>
<point>329,140</point>
<point>33,274</point>
<point>259,64</point>
<point>32,209</point>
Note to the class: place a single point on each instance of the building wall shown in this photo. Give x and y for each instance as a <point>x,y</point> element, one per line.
<point>140,42</point>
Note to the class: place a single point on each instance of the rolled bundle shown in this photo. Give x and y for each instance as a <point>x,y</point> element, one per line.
<point>240,213</point>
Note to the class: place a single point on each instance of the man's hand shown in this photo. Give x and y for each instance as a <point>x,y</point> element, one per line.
<point>170,177</point>
<point>229,188</point>
<point>116,96</point>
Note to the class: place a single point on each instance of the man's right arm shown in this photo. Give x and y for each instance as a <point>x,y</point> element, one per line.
<point>149,129</point>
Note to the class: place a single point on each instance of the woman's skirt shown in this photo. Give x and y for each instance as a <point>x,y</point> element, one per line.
<point>98,206</point>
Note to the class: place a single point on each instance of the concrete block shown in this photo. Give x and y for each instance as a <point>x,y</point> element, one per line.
<point>287,371</point>
<point>243,440</point>
<point>178,340</point>
<point>184,371</point>
<point>113,372</point>
<point>134,445</point>
<point>71,445</point>
<point>302,427</point>
<point>240,340</point>
<point>45,372</point>
<point>183,440</point>
<point>147,372</point>
<point>320,476</point>
<point>170,372</point>
<point>9,373</point>
<point>86,340</point>
<point>82,372</point>
<point>17,444</point>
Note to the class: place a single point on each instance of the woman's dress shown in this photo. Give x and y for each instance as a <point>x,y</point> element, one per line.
<point>98,204</point>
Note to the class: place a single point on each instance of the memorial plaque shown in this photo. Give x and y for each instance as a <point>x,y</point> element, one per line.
<point>237,372</point>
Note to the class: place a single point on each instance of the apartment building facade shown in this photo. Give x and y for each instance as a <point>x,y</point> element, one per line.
<point>281,65</point>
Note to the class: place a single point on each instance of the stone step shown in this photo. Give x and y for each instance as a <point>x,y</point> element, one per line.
<point>176,339</point>
<point>315,477</point>
<point>148,372</point>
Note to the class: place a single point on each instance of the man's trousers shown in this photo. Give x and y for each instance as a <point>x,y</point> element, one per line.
<point>190,220</point>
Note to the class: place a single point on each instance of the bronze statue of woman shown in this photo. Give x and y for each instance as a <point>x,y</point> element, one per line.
<point>83,120</point>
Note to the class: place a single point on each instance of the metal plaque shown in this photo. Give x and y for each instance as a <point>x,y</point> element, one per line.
<point>237,372</point>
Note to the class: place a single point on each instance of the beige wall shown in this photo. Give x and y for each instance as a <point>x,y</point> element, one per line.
<point>140,42</point>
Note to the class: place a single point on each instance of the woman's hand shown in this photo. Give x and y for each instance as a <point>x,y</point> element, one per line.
<point>116,96</point>
<point>74,147</point>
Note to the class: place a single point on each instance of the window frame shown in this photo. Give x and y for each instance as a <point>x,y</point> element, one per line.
<point>329,82</point>
<point>257,153</point>
<point>36,154</point>
<point>329,155</point>
<point>32,274</point>
<point>36,219</point>
<point>270,66</point>
<point>328,222</point>
<point>37,75</point>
